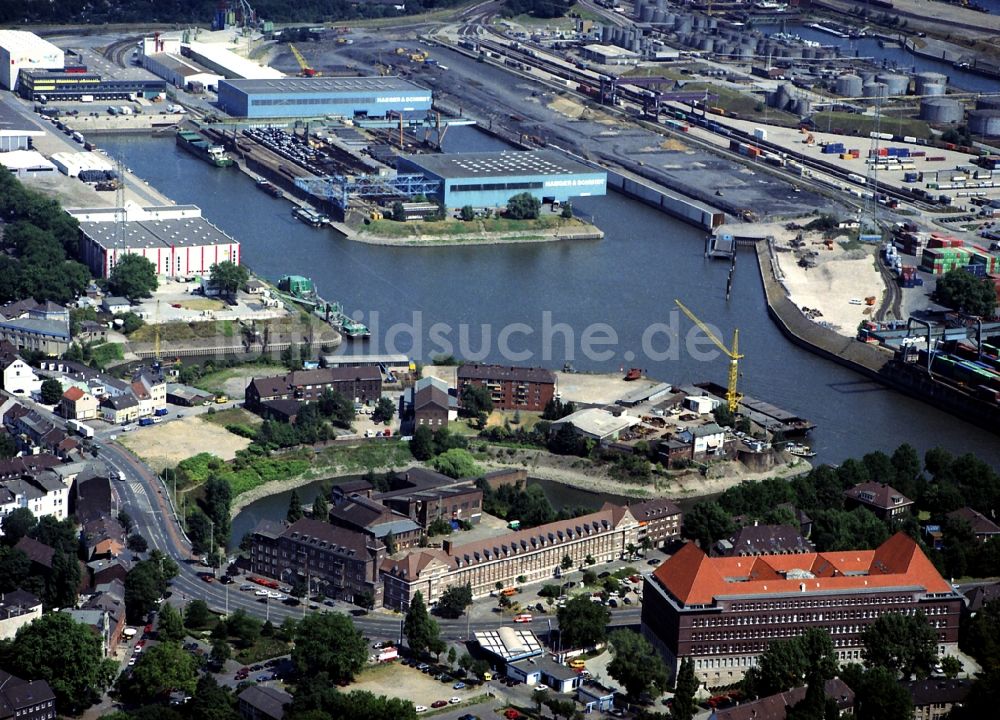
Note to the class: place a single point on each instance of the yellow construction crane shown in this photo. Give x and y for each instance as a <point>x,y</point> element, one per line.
<point>307,69</point>
<point>732,396</point>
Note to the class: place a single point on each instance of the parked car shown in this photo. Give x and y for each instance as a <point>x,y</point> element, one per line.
<point>458,686</point>
<point>439,704</point>
<point>455,700</point>
<point>421,708</point>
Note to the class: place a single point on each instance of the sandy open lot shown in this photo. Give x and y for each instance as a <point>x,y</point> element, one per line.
<point>839,277</point>
<point>400,681</point>
<point>167,443</point>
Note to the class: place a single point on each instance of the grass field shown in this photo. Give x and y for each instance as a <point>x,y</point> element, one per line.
<point>744,105</point>
<point>219,383</point>
<point>861,125</point>
<point>453,228</point>
<point>232,416</point>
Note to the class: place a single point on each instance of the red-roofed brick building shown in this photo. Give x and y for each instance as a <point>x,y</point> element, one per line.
<point>884,500</point>
<point>723,612</point>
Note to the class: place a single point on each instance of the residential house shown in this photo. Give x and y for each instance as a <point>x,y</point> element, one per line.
<point>884,500</point>
<point>120,409</point>
<point>17,609</point>
<point>42,493</point>
<point>979,595</point>
<point>982,527</point>
<point>358,384</point>
<point>16,376</point>
<point>764,540</point>
<point>39,554</point>
<point>429,402</point>
<point>511,388</point>
<point>263,702</point>
<point>91,498</point>
<point>934,698</point>
<point>92,332</point>
<point>34,432</point>
<point>659,521</point>
<point>706,440</point>
<point>107,605</point>
<point>25,700</point>
<point>105,570</point>
<point>116,305</point>
<point>77,404</point>
<point>27,465</point>
<point>103,537</point>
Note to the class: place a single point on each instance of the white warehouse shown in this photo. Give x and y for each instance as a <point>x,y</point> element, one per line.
<point>21,49</point>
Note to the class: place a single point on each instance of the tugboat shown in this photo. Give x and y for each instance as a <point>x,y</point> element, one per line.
<point>803,451</point>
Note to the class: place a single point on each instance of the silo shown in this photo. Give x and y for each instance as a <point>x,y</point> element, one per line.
<point>988,103</point>
<point>849,85</point>
<point>713,24</point>
<point>984,122</point>
<point>941,110</point>
<point>924,79</point>
<point>605,34</point>
<point>661,5</point>
<point>872,90</point>
<point>868,77</point>
<point>659,16</point>
<point>895,84</point>
<point>646,14</point>
<point>685,24</point>
<point>707,44</point>
<point>932,89</point>
<point>670,20</point>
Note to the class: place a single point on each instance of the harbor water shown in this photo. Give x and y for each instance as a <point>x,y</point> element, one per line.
<point>560,294</point>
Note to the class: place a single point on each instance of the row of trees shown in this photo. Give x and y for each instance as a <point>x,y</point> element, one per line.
<point>208,523</point>
<point>40,247</point>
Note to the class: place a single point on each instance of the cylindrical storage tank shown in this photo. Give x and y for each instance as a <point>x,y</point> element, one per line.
<point>895,84</point>
<point>745,53</point>
<point>868,77</point>
<point>984,122</point>
<point>848,86</point>
<point>707,44</point>
<point>802,107</point>
<point>713,24</point>
<point>670,20</point>
<point>646,14</point>
<point>808,53</point>
<point>605,34</point>
<point>684,26</point>
<point>988,103</point>
<point>931,89</point>
<point>941,110</point>
<point>922,80</point>
<point>873,90</point>
<point>659,16</point>
<point>661,4</point>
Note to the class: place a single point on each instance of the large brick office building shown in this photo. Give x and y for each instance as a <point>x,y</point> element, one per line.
<point>511,388</point>
<point>339,562</point>
<point>535,553</point>
<point>723,612</point>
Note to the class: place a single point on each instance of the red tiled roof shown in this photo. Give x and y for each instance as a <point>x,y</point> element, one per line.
<point>696,579</point>
<point>878,495</point>
<point>74,394</point>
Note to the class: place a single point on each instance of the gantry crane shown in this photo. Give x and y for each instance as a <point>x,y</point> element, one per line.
<point>732,396</point>
<point>307,70</point>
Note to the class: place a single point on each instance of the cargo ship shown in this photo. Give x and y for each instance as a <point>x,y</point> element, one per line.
<point>270,188</point>
<point>199,146</point>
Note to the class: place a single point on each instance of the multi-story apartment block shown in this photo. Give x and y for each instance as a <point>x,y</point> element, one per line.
<point>536,553</point>
<point>511,388</point>
<point>358,384</point>
<point>336,561</point>
<point>659,520</point>
<point>723,612</point>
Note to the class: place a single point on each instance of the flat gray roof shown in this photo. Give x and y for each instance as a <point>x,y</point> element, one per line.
<point>182,232</point>
<point>325,85</point>
<point>500,164</point>
<point>13,123</point>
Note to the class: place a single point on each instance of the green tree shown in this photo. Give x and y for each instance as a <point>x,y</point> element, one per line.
<point>211,701</point>
<point>51,391</point>
<point>707,522</point>
<point>454,600</point>
<point>468,214</point>
<point>523,206</point>
<point>385,410</point>
<point>133,277</point>
<point>294,507</point>
<point>724,416</point>
<point>17,524</point>
<point>64,653</point>
<point>162,668</point>
<point>567,211</point>
<point>338,408</point>
<point>785,663</point>
<point>130,322</point>
<point>244,628</point>
<point>582,623</point>
<point>137,543</point>
<point>197,615</point>
<point>8,448</point>
<point>419,627</point>
<point>567,562</point>
<point>170,623</point>
<point>476,399</point>
<point>422,443</point>
<point>457,463</point>
<point>951,666</point>
<point>217,503</point>
<point>878,694</point>
<point>126,521</point>
<point>538,698</point>
<point>228,277</point>
<point>328,643</point>
<point>320,508</point>
<point>635,664</point>
<point>452,657</point>
<point>221,652</point>
<point>967,293</point>
<point>905,644</point>
<point>145,584</point>
<point>398,212</point>
<point>684,707</point>
<point>63,582</point>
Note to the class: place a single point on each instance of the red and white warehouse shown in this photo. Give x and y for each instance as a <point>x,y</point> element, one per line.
<point>175,238</point>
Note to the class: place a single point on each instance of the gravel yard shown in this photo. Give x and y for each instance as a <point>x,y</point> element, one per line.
<point>167,443</point>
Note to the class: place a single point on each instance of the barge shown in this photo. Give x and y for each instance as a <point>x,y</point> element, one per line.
<point>200,147</point>
<point>269,187</point>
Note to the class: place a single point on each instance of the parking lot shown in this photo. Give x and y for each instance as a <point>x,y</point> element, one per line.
<point>409,683</point>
